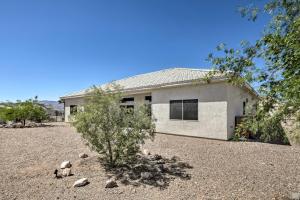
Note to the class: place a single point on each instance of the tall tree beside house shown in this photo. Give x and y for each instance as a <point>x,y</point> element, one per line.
<point>278,79</point>
<point>113,130</point>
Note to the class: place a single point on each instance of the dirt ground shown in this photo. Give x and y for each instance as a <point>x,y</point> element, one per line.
<point>221,169</point>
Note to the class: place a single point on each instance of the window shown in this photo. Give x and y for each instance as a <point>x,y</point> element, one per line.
<point>73,109</point>
<point>127,99</point>
<point>190,109</point>
<point>176,109</point>
<point>244,107</point>
<point>148,98</point>
<point>184,109</point>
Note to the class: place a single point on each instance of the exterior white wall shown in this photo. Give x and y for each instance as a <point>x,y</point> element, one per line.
<point>218,104</point>
<point>74,101</point>
<point>212,111</point>
<point>138,99</point>
<point>236,96</point>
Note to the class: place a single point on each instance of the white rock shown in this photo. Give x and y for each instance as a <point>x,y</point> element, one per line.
<point>66,172</point>
<point>146,152</point>
<point>111,183</point>
<point>295,196</point>
<point>83,155</point>
<point>65,164</point>
<point>81,182</point>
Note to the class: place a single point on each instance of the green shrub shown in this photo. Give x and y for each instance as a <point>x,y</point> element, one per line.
<point>22,111</point>
<point>110,129</point>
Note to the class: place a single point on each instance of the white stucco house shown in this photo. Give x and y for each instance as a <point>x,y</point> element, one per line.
<point>181,103</point>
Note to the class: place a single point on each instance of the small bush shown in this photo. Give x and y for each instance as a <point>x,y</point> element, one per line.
<point>112,130</point>
<point>265,129</point>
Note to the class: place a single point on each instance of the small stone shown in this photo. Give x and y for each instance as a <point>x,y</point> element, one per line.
<point>295,196</point>
<point>83,155</point>
<point>161,161</point>
<point>17,125</point>
<point>66,172</point>
<point>160,183</point>
<point>111,183</point>
<point>81,182</point>
<point>243,139</point>
<point>31,124</point>
<point>146,152</point>
<point>184,165</point>
<point>65,164</point>
<point>146,175</point>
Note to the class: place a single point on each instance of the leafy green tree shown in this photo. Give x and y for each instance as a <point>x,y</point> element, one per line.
<point>113,130</point>
<point>6,113</point>
<point>22,111</point>
<point>278,79</point>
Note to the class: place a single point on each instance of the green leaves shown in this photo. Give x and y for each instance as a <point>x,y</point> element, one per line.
<point>22,111</point>
<point>279,78</point>
<point>113,130</point>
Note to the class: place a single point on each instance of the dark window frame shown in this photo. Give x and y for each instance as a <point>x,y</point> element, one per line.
<point>73,109</point>
<point>181,109</point>
<point>190,109</point>
<point>127,99</point>
<point>176,109</point>
<point>244,107</point>
<point>148,98</point>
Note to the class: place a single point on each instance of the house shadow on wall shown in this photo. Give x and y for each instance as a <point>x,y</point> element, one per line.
<point>153,170</point>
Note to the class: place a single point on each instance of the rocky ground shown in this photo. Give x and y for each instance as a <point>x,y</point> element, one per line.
<point>220,169</point>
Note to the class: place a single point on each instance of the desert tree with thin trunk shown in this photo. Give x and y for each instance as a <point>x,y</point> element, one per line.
<point>111,129</point>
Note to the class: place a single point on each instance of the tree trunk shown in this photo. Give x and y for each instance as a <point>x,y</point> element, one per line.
<point>24,121</point>
<point>111,161</point>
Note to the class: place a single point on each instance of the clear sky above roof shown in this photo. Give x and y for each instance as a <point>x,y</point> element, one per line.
<point>50,48</point>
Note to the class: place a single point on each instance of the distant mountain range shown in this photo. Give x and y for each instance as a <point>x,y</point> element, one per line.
<point>54,104</point>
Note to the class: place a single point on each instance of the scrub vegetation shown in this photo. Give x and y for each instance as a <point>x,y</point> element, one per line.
<point>112,130</point>
<point>22,111</point>
<point>278,79</point>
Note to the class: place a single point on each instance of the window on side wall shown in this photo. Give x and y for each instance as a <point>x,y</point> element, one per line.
<point>73,109</point>
<point>184,109</point>
<point>148,98</point>
<point>127,99</point>
<point>190,109</point>
<point>176,109</point>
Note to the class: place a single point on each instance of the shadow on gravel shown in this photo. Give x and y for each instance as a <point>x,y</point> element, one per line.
<point>153,170</point>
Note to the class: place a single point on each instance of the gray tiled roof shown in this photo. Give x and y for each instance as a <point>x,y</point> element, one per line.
<point>155,79</point>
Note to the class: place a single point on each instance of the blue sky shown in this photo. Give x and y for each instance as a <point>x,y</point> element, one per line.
<point>52,47</point>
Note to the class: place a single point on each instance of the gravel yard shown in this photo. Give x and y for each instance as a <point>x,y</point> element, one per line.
<point>221,169</point>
